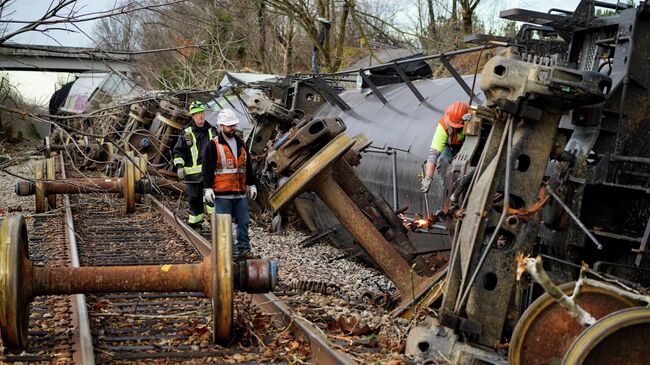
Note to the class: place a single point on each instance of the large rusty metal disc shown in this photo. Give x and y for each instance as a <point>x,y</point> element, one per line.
<point>14,303</point>
<point>128,183</point>
<point>172,123</point>
<point>142,168</point>
<point>222,277</point>
<point>50,173</point>
<point>619,338</point>
<point>311,170</point>
<point>143,142</point>
<point>39,175</point>
<point>139,170</point>
<point>546,331</point>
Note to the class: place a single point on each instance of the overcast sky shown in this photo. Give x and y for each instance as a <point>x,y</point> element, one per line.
<point>39,86</point>
<point>81,34</point>
<point>72,36</point>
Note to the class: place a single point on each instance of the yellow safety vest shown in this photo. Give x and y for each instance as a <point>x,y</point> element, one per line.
<point>195,168</point>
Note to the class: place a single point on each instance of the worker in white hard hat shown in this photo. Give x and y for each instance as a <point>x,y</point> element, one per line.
<point>227,175</point>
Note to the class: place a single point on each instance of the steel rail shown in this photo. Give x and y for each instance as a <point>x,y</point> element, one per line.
<point>83,344</point>
<point>321,348</point>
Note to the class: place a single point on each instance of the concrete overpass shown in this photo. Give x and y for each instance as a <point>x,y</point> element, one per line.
<point>26,57</point>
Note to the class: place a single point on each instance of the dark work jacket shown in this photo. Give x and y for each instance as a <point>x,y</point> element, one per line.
<point>182,150</point>
<point>210,163</point>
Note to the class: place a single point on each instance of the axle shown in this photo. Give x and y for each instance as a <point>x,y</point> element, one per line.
<point>150,278</point>
<point>77,186</point>
<point>216,277</point>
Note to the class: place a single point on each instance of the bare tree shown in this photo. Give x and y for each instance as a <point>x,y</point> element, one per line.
<point>63,15</point>
<point>431,28</point>
<point>467,8</point>
<point>284,33</point>
<point>117,32</point>
<point>316,21</point>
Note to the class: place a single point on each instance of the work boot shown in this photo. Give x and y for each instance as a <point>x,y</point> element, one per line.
<point>197,227</point>
<point>246,255</point>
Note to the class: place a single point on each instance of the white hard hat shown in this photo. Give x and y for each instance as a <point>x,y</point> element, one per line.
<point>227,117</point>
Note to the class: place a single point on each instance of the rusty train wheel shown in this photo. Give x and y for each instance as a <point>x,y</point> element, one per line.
<point>50,172</point>
<point>619,338</point>
<point>143,142</point>
<point>139,170</point>
<point>172,123</point>
<point>128,183</point>
<point>14,306</point>
<point>41,204</point>
<point>311,170</point>
<point>545,331</point>
<point>222,277</point>
<point>143,167</point>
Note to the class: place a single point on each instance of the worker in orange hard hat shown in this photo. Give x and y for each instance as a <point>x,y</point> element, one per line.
<point>447,140</point>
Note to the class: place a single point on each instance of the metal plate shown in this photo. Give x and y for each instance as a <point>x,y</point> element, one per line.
<point>308,172</point>
<point>620,338</point>
<point>222,277</point>
<point>545,331</point>
<point>14,316</point>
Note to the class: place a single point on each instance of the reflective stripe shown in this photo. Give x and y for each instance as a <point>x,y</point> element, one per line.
<point>194,150</point>
<point>229,171</point>
<point>193,170</point>
<point>222,170</point>
<point>179,161</point>
<point>209,209</point>
<point>231,196</point>
<point>222,153</point>
<point>195,218</point>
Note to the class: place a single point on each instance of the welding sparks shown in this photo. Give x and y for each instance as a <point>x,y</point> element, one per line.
<point>417,223</point>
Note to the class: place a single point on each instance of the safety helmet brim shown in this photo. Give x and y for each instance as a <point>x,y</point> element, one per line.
<point>453,124</point>
<point>228,123</point>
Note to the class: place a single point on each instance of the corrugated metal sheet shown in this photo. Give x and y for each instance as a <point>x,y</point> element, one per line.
<point>403,123</point>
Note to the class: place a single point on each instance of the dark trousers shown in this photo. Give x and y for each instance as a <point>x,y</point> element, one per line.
<point>194,190</point>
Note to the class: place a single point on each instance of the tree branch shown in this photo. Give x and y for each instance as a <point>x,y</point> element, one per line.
<point>534,267</point>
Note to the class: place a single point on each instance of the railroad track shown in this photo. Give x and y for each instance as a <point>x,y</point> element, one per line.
<point>123,328</point>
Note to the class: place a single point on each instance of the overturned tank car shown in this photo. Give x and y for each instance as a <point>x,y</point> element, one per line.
<point>555,165</point>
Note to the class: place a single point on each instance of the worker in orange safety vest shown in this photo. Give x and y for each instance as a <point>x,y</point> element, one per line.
<point>447,141</point>
<point>227,175</point>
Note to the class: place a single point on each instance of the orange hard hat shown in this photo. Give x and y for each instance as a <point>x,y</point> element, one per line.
<point>454,114</point>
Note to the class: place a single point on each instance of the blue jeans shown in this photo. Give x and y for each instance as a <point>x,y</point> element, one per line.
<point>443,163</point>
<point>238,210</point>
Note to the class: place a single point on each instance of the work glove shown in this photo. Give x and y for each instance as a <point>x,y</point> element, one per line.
<point>208,195</point>
<point>252,191</point>
<point>181,174</point>
<point>425,183</point>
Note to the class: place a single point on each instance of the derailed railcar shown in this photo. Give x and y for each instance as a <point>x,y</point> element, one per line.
<point>557,166</point>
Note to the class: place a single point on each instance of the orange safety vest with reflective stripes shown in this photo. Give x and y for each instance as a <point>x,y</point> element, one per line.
<point>455,139</point>
<point>230,172</point>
